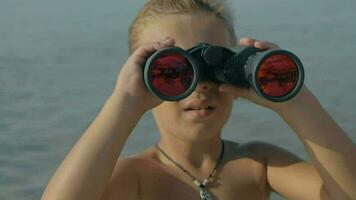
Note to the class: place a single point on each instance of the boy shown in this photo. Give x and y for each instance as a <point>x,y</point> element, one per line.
<point>190,161</point>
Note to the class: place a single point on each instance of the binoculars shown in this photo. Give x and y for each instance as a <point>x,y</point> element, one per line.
<point>173,73</point>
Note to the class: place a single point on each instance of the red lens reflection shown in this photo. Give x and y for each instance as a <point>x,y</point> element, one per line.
<point>277,75</point>
<point>171,74</point>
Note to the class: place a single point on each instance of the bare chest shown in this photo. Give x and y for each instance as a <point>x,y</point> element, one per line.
<point>242,179</point>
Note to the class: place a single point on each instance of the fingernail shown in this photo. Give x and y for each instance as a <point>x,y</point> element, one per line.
<point>168,40</point>
<point>156,45</point>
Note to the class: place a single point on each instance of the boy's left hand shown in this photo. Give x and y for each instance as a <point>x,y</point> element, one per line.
<point>249,93</point>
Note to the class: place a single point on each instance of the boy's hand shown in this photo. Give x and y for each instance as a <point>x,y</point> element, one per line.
<point>249,93</point>
<point>130,81</point>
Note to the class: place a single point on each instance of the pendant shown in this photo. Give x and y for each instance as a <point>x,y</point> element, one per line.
<point>204,195</point>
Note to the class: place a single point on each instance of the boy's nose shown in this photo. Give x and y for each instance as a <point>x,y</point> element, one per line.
<point>203,86</point>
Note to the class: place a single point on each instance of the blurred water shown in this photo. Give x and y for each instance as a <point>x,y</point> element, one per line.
<point>59,61</point>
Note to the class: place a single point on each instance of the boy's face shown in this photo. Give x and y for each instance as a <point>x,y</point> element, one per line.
<point>203,113</point>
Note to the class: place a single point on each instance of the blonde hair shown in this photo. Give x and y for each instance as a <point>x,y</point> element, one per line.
<point>156,8</point>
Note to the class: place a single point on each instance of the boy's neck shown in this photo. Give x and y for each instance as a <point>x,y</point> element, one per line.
<point>198,157</point>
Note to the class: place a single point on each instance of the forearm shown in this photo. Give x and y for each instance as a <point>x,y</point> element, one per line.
<point>330,150</point>
<point>87,169</point>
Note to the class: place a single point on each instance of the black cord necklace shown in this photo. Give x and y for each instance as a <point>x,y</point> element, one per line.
<point>204,195</point>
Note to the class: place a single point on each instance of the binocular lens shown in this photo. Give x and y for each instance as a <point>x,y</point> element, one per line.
<point>171,74</point>
<point>277,75</point>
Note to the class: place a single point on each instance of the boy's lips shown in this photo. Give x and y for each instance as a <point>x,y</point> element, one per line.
<point>199,108</point>
<point>193,108</point>
<point>198,105</point>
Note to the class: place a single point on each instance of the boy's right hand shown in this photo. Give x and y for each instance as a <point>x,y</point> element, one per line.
<point>130,81</point>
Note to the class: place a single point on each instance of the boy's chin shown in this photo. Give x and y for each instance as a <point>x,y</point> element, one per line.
<point>198,133</point>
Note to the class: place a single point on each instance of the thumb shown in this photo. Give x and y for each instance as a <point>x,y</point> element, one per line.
<point>234,90</point>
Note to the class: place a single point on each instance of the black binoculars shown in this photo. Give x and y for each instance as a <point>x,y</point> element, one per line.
<point>173,73</point>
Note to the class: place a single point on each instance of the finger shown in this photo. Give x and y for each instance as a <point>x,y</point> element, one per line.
<point>166,42</point>
<point>265,45</point>
<point>142,52</point>
<point>247,41</point>
<point>236,91</point>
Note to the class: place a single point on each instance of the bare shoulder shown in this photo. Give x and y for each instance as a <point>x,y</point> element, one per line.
<point>267,150</point>
<point>137,162</point>
<point>125,179</point>
<point>269,155</point>
<point>256,150</point>
<point>286,173</point>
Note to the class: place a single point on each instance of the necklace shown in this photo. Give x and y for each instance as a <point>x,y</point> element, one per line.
<point>204,194</point>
